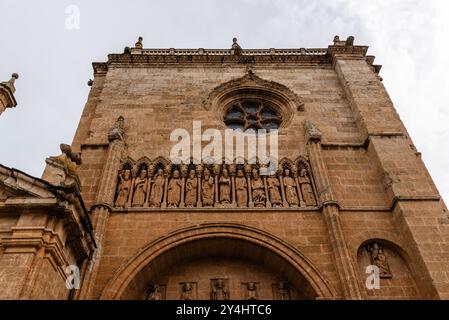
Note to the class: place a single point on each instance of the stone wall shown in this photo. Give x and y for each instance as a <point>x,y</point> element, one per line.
<point>372,187</point>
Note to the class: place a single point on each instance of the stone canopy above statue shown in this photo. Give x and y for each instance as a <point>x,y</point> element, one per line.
<point>159,183</point>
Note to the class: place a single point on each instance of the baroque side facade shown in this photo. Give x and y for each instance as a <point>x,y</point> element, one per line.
<point>350,195</point>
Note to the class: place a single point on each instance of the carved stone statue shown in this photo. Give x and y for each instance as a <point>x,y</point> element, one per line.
<point>225,187</point>
<point>290,189</point>
<point>191,190</point>
<point>155,293</point>
<point>118,130</point>
<point>174,190</point>
<point>236,49</point>
<point>207,189</point>
<point>219,290</point>
<point>379,259</point>
<point>124,188</point>
<point>140,189</point>
<point>258,190</point>
<point>139,43</point>
<point>306,188</point>
<point>241,189</point>
<point>187,291</point>
<point>312,131</point>
<point>157,190</point>
<point>251,291</point>
<point>283,291</point>
<point>273,190</point>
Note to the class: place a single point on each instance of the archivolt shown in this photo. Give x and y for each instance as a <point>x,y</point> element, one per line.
<point>130,269</point>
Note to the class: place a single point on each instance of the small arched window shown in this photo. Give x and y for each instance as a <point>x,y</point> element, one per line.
<point>252,114</point>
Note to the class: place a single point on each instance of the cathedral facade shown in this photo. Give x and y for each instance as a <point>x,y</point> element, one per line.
<point>348,212</point>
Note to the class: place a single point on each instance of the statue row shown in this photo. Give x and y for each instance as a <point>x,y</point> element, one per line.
<point>219,186</point>
<point>220,291</point>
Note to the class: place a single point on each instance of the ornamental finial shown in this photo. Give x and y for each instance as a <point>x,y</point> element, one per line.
<point>139,44</point>
<point>236,49</point>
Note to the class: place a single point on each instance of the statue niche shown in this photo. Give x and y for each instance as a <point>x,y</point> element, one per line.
<point>241,189</point>
<point>191,189</point>
<point>232,185</point>
<point>207,189</point>
<point>290,189</point>
<point>251,291</point>
<point>124,188</point>
<point>219,289</point>
<point>187,291</point>
<point>157,190</point>
<point>157,292</point>
<point>225,187</point>
<point>281,291</point>
<point>258,190</point>
<point>174,190</point>
<point>379,259</point>
<point>140,188</point>
<point>273,190</point>
<point>306,187</point>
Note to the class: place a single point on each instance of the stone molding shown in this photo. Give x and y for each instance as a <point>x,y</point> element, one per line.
<point>130,268</point>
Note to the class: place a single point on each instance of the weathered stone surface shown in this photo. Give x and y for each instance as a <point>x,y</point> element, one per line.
<point>351,189</point>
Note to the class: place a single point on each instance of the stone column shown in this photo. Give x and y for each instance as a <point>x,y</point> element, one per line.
<point>129,203</point>
<point>184,170</point>
<point>199,174</point>
<point>232,172</point>
<point>264,178</point>
<point>281,182</point>
<point>216,176</point>
<point>302,203</point>
<point>151,172</point>
<point>330,211</point>
<point>104,203</point>
<point>248,171</point>
<point>167,172</point>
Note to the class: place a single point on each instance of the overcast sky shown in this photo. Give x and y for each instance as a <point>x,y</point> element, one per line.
<point>408,37</point>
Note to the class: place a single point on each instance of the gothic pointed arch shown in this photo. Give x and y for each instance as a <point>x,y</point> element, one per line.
<point>130,278</point>
<point>286,163</point>
<point>143,162</point>
<point>127,163</point>
<point>161,162</point>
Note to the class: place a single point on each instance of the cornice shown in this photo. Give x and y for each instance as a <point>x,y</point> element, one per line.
<point>311,56</point>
